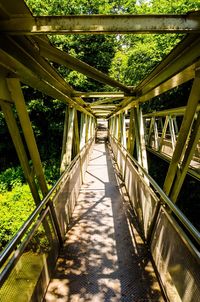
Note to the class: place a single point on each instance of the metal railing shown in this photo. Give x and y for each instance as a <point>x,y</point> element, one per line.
<point>173,240</point>
<point>37,242</point>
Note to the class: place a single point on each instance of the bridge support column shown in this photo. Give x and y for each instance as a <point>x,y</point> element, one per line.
<point>175,176</point>
<point>82,130</point>
<point>17,141</point>
<point>67,138</point>
<point>131,134</point>
<point>164,130</point>
<point>140,140</point>
<point>76,138</point>
<point>18,98</point>
<point>122,130</point>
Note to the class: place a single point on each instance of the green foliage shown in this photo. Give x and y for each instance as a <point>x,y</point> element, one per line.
<point>15,208</point>
<point>16,202</point>
<point>10,178</point>
<point>51,170</point>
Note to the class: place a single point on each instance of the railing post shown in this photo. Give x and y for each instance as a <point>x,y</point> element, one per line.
<point>140,140</point>
<point>76,138</point>
<point>131,134</point>
<point>82,130</point>
<point>164,130</point>
<point>122,130</point>
<point>68,139</point>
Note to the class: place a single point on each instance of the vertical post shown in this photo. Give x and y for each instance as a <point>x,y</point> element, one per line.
<point>123,130</point>
<point>17,141</point>
<point>82,130</point>
<point>65,130</point>
<point>119,117</point>
<point>183,134</point>
<point>140,140</point>
<point>87,128</point>
<point>172,132</point>
<point>131,134</point>
<point>17,96</point>
<point>76,138</point>
<point>67,153</point>
<point>164,130</point>
<point>137,136</point>
<point>151,128</point>
<point>112,126</point>
<point>156,135</point>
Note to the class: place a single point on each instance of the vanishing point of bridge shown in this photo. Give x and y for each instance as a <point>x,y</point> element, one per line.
<point>106,231</point>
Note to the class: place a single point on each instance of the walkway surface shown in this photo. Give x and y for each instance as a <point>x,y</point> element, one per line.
<point>103,258</point>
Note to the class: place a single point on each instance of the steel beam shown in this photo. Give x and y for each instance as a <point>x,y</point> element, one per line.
<point>105,101</point>
<point>192,144</point>
<point>99,94</point>
<point>67,138</point>
<point>82,130</point>
<point>19,58</point>
<point>63,58</point>
<point>18,98</point>
<point>102,24</point>
<point>131,134</point>
<point>183,135</point>
<point>18,143</point>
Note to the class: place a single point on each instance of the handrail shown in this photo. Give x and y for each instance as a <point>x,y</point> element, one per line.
<point>184,220</point>
<point>174,111</point>
<point>16,239</point>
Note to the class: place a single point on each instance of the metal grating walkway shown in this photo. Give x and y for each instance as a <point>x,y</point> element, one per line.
<point>103,258</point>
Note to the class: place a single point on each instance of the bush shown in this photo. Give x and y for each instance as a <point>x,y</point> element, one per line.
<point>15,207</point>
<point>11,178</point>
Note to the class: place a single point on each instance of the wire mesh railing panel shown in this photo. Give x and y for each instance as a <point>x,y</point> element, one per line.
<point>177,265</point>
<point>65,199</point>
<point>143,200</point>
<point>31,273</point>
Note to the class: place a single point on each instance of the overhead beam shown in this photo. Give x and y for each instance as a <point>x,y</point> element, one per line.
<point>24,62</point>
<point>99,94</point>
<point>63,58</point>
<point>104,101</point>
<point>101,24</point>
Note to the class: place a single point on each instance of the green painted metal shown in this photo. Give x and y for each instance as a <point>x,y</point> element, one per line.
<point>102,24</point>
<point>19,146</point>
<point>68,138</point>
<point>17,96</point>
<point>192,144</point>
<point>183,134</point>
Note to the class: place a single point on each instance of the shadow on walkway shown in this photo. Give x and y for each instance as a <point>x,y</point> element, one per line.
<point>104,257</point>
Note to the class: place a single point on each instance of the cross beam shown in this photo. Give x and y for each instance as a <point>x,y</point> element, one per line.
<point>65,59</point>
<point>99,24</point>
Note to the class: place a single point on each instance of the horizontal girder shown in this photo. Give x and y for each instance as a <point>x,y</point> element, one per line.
<point>98,24</point>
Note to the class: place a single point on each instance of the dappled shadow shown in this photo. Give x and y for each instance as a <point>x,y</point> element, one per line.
<point>104,257</point>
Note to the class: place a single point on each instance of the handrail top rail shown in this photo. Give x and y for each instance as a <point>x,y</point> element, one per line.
<point>17,237</point>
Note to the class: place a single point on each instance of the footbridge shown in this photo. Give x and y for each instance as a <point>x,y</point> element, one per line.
<point>106,231</point>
